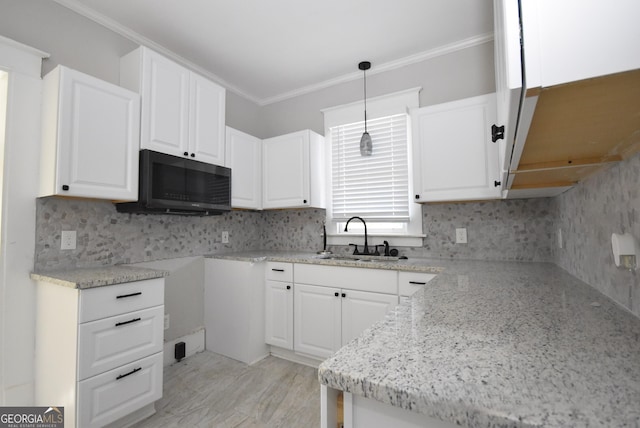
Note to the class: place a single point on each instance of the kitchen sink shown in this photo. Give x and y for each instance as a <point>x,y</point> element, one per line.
<point>361,258</point>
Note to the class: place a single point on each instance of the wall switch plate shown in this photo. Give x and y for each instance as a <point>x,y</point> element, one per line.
<point>560,243</point>
<point>166,321</point>
<point>225,237</point>
<point>68,240</point>
<point>461,235</point>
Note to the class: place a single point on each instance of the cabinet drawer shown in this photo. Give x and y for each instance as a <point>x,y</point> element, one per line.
<point>363,279</point>
<point>109,396</point>
<point>277,271</point>
<point>410,282</point>
<point>103,302</point>
<point>111,342</point>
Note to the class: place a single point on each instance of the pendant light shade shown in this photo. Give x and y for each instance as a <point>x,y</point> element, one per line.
<point>366,145</point>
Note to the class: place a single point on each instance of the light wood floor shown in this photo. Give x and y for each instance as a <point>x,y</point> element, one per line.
<point>209,390</point>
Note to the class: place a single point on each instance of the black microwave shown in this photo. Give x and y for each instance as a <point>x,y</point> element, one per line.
<point>174,185</point>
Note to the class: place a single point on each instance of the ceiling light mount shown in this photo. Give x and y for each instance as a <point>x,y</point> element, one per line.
<point>366,145</point>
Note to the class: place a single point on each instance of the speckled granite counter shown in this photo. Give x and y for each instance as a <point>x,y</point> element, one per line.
<point>489,344</point>
<point>97,277</point>
<point>411,265</point>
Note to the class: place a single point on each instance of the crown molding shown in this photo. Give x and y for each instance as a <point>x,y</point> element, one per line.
<point>387,66</point>
<point>138,38</point>
<point>128,33</point>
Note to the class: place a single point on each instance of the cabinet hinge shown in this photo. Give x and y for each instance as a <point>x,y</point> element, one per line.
<point>497,133</point>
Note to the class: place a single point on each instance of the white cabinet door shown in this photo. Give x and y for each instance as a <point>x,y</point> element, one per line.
<point>279,314</point>
<point>360,310</point>
<point>317,320</point>
<point>165,105</point>
<point>508,68</point>
<point>90,137</point>
<point>454,157</point>
<point>206,121</point>
<point>243,154</point>
<point>285,162</point>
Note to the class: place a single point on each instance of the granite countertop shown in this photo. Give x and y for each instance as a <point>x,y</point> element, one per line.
<point>97,277</point>
<point>506,344</point>
<point>409,265</point>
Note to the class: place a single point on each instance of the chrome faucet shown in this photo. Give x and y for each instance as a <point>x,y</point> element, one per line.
<point>366,244</point>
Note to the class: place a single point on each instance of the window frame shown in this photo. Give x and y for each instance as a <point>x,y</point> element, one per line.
<point>411,234</point>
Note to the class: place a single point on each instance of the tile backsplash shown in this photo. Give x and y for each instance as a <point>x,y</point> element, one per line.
<point>587,215</point>
<point>497,230</point>
<point>522,230</point>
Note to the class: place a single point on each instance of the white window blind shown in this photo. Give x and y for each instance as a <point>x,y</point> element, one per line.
<point>374,187</point>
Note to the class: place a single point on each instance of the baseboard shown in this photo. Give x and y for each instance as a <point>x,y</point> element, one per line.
<point>286,354</point>
<point>133,418</point>
<point>194,343</point>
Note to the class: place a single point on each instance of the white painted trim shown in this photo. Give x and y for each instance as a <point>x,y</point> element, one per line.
<point>138,38</point>
<point>135,417</point>
<point>381,68</point>
<point>194,343</point>
<point>118,28</point>
<point>25,48</point>
<point>295,357</point>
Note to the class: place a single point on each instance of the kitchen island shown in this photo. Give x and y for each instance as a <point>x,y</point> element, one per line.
<point>489,344</point>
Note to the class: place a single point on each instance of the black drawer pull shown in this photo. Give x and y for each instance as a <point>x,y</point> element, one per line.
<point>118,324</point>
<point>337,294</point>
<point>129,374</point>
<point>288,287</point>
<point>122,296</point>
<point>278,270</point>
<point>417,283</point>
<point>344,294</point>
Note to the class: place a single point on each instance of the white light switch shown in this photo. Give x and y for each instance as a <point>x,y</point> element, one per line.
<point>461,235</point>
<point>68,240</point>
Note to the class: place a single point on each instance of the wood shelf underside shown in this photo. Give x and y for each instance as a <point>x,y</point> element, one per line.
<point>578,128</point>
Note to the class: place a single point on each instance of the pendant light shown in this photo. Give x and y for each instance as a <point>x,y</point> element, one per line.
<point>366,145</point>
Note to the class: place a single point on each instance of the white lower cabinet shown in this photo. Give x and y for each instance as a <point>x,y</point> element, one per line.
<point>99,350</point>
<point>317,320</point>
<point>360,310</point>
<point>234,309</point>
<point>279,305</point>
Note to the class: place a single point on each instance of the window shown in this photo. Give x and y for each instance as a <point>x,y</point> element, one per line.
<point>377,188</point>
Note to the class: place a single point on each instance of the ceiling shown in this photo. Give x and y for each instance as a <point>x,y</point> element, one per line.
<point>270,50</point>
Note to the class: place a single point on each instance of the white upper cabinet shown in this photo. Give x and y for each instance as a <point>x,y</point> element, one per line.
<point>243,154</point>
<point>183,113</point>
<point>90,137</point>
<point>293,171</point>
<point>454,158</point>
<point>565,74</point>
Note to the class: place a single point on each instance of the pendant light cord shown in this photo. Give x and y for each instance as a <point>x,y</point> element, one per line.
<point>365,100</point>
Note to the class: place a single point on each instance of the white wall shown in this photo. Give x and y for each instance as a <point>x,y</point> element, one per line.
<point>17,244</point>
<point>461,74</point>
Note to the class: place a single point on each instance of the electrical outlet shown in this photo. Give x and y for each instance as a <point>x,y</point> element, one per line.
<point>225,237</point>
<point>166,321</point>
<point>68,240</point>
<point>461,235</point>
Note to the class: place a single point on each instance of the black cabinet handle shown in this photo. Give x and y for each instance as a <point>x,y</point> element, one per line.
<point>118,324</point>
<point>129,374</point>
<point>288,287</point>
<point>123,296</point>
<point>193,155</point>
<point>337,294</point>
<point>278,270</point>
<point>304,201</point>
<point>65,187</point>
<point>417,283</point>
<point>186,153</point>
<point>344,294</point>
